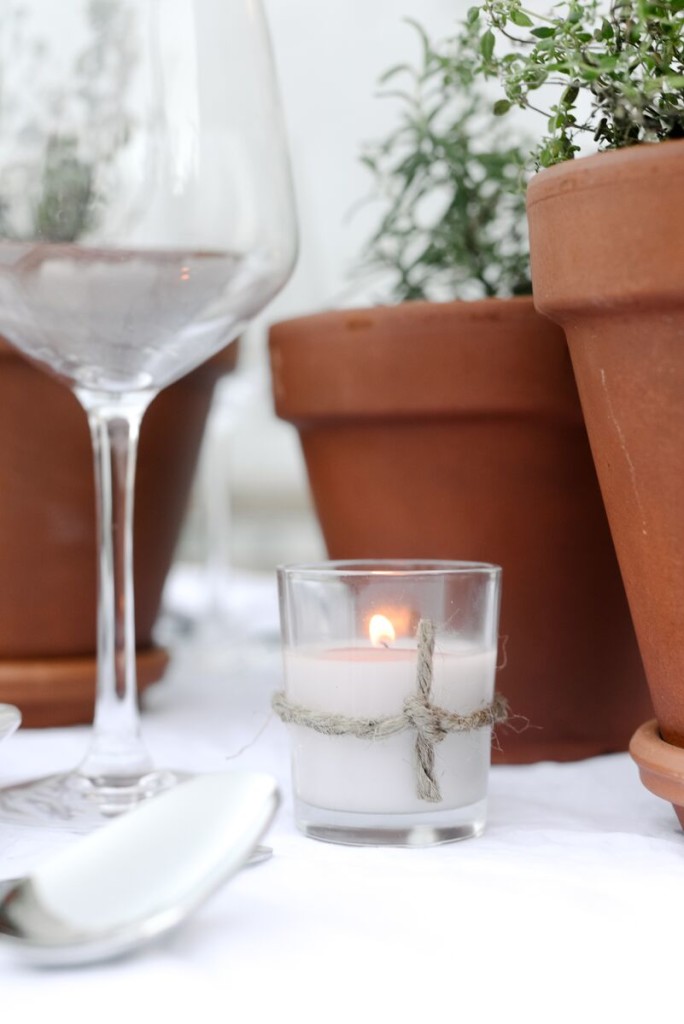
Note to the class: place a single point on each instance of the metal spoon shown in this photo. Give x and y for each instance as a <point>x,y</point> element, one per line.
<point>141,875</point>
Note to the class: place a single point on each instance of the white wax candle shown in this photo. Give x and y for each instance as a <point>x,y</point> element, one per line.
<point>349,774</point>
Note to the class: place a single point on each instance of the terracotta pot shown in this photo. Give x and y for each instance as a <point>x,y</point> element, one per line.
<point>607,235</point>
<point>47,532</point>
<point>455,431</point>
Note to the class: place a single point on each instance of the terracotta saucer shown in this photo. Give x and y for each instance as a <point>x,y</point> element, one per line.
<point>60,691</point>
<point>661,765</point>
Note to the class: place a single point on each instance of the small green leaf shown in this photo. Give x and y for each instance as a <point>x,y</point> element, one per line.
<point>501,107</point>
<point>474,14</point>
<point>545,32</point>
<point>518,18</point>
<point>487,44</point>
<point>570,95</point>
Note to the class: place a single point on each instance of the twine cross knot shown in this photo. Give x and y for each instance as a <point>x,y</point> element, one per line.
<point>430,722</point>
<point>425,718</point>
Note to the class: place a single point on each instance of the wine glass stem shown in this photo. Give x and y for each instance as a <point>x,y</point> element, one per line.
<point>116,751</point>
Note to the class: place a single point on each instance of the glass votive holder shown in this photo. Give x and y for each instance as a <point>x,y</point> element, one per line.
<point>389,697</point>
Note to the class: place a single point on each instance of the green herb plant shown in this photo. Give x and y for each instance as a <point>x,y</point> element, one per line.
<point>621,60</point>
<point>453,224</point>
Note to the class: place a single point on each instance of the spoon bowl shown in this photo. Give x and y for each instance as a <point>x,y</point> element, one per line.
<point>140,876</point>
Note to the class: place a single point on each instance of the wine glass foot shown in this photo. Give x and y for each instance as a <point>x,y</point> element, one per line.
<point>77,803</point>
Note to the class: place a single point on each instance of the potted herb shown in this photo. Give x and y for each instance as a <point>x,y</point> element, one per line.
<point>607,241</point>
<point>453,429</point>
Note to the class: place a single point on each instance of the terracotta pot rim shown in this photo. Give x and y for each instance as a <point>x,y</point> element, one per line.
<point>419,309</point>
<point>599,169</point>
<point>427,360</point>
<point>621,222</point>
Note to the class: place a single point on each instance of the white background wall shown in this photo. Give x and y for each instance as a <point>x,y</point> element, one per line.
<point>329,55</point>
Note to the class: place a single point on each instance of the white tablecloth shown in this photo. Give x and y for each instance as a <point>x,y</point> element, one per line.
<point>567,909</point>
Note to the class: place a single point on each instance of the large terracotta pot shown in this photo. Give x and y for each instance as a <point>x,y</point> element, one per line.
<point>607,235</point>
<point>455,431</point>
<point>47,532</point>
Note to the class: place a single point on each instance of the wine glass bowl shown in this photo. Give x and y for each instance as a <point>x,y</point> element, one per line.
<point>146,215</point>
<point>145,204</point>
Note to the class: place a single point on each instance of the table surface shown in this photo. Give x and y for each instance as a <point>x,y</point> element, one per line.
<point>565,909</point>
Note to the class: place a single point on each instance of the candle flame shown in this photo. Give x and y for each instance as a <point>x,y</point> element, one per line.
<point>381,630</point>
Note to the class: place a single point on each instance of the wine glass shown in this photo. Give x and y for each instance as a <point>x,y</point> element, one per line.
<point>146,215</point>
